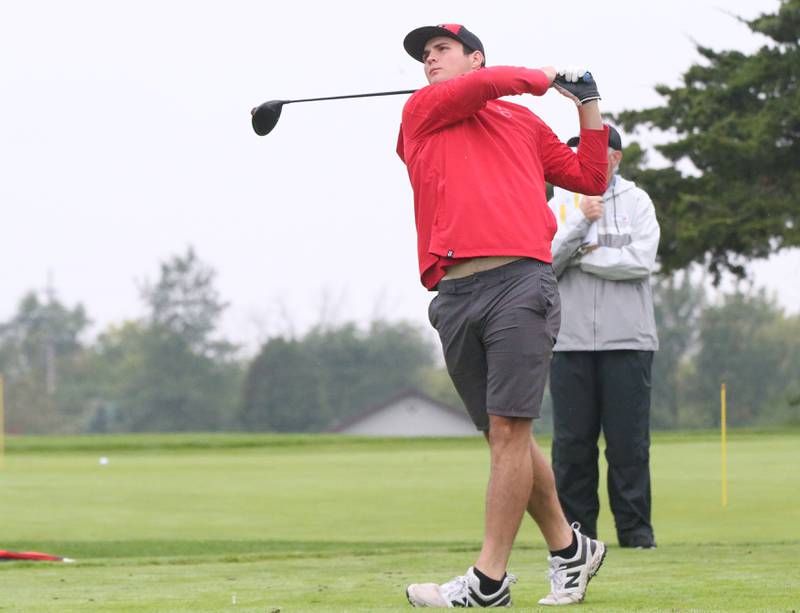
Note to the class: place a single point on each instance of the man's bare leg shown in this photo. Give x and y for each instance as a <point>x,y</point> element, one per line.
<point>544,506</point>
<point>509,491</point>
<point>568,583</point>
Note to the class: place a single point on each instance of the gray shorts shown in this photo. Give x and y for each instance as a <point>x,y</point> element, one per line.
<point>498,329</point>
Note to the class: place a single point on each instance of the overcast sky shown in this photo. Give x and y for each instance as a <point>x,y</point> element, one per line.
<point>125,137</point>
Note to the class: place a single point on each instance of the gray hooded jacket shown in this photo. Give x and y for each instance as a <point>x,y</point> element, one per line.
<point>606,298</point>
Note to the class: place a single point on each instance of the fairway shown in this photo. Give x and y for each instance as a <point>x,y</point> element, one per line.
<point>304,523</point>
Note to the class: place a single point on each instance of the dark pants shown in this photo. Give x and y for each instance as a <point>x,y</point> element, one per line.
<point>608,390</point>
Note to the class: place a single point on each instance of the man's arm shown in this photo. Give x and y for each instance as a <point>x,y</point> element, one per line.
<point>572,232</point>
<point>439,105</point>
<point>567,243</point>
<point>637,259</point>
<point>589,116</point>
<point>586,173</point>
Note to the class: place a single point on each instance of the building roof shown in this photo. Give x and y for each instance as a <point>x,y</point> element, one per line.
<point>393,399</point>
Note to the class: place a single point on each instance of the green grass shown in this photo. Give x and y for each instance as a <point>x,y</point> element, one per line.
<point>301,523</point>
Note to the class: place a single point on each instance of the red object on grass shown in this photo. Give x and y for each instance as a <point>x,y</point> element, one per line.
<point>6,556</point>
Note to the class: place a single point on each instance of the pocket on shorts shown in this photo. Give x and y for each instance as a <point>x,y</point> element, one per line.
<point>432,311</point>
<point>543,292</point>
<point>548,288</point>
<point>548,285</point>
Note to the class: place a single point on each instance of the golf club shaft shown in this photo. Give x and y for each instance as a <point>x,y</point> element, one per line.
<point>397,93</point>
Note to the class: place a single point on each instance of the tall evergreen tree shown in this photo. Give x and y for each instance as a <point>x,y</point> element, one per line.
<point>736,121</point>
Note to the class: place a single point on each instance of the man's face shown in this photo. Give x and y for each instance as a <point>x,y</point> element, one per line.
<point>444,59</point>
<point>614,158</point>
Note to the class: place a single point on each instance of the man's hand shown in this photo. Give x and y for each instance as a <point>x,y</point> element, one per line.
<point>592,207</point>
<point>577,84</point>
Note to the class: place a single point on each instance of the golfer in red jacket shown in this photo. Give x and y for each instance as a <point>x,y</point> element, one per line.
<point>478,167</point>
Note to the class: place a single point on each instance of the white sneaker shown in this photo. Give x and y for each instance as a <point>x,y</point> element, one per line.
<point>464,591</point>
<point>569,578</point>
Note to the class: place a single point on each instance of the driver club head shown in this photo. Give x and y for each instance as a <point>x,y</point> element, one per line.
<point>266,115</point>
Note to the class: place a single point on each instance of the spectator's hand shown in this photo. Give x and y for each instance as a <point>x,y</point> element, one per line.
<point>592,207</point>
<point>577,84</point>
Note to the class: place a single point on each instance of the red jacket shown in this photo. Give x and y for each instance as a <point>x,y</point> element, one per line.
<point>478,168</point>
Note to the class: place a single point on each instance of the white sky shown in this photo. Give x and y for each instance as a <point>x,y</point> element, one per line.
<point>125,137</point>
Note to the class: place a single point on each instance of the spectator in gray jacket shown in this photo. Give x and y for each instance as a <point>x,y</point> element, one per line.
<point>603,254</point>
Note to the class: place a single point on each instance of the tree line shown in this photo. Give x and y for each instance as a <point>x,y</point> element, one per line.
<point>170,371</point>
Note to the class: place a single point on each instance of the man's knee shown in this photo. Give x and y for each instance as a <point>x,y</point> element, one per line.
<point>508,431</point>
<point>627,453</point>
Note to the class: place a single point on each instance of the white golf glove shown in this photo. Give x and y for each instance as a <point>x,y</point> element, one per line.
<point>571,74</point>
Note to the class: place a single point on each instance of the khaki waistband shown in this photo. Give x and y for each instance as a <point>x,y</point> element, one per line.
<point>470,267</point>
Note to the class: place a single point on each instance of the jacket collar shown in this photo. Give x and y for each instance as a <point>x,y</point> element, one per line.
<point>618,185</point>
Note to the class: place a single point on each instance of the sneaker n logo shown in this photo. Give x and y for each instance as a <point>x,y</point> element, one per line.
<point>502,599</point>
<point>573,580</point>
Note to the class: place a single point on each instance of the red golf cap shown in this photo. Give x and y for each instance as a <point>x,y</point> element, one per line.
<point>416,40</point>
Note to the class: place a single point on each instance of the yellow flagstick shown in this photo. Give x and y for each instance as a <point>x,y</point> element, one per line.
<point>723,420</point>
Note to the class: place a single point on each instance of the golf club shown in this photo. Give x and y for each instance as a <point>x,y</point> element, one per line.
<point>266,115</point>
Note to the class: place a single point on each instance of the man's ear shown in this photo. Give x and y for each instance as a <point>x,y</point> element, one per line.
<point>477,59</point>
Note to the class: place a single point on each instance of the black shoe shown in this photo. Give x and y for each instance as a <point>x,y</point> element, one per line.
<point>638,541</point>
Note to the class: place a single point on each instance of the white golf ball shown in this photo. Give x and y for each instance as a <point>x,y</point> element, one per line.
<point>103,461</point>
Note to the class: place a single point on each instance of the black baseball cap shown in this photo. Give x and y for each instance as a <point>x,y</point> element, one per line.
<point>614,140</point>
<point>416,40</point>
